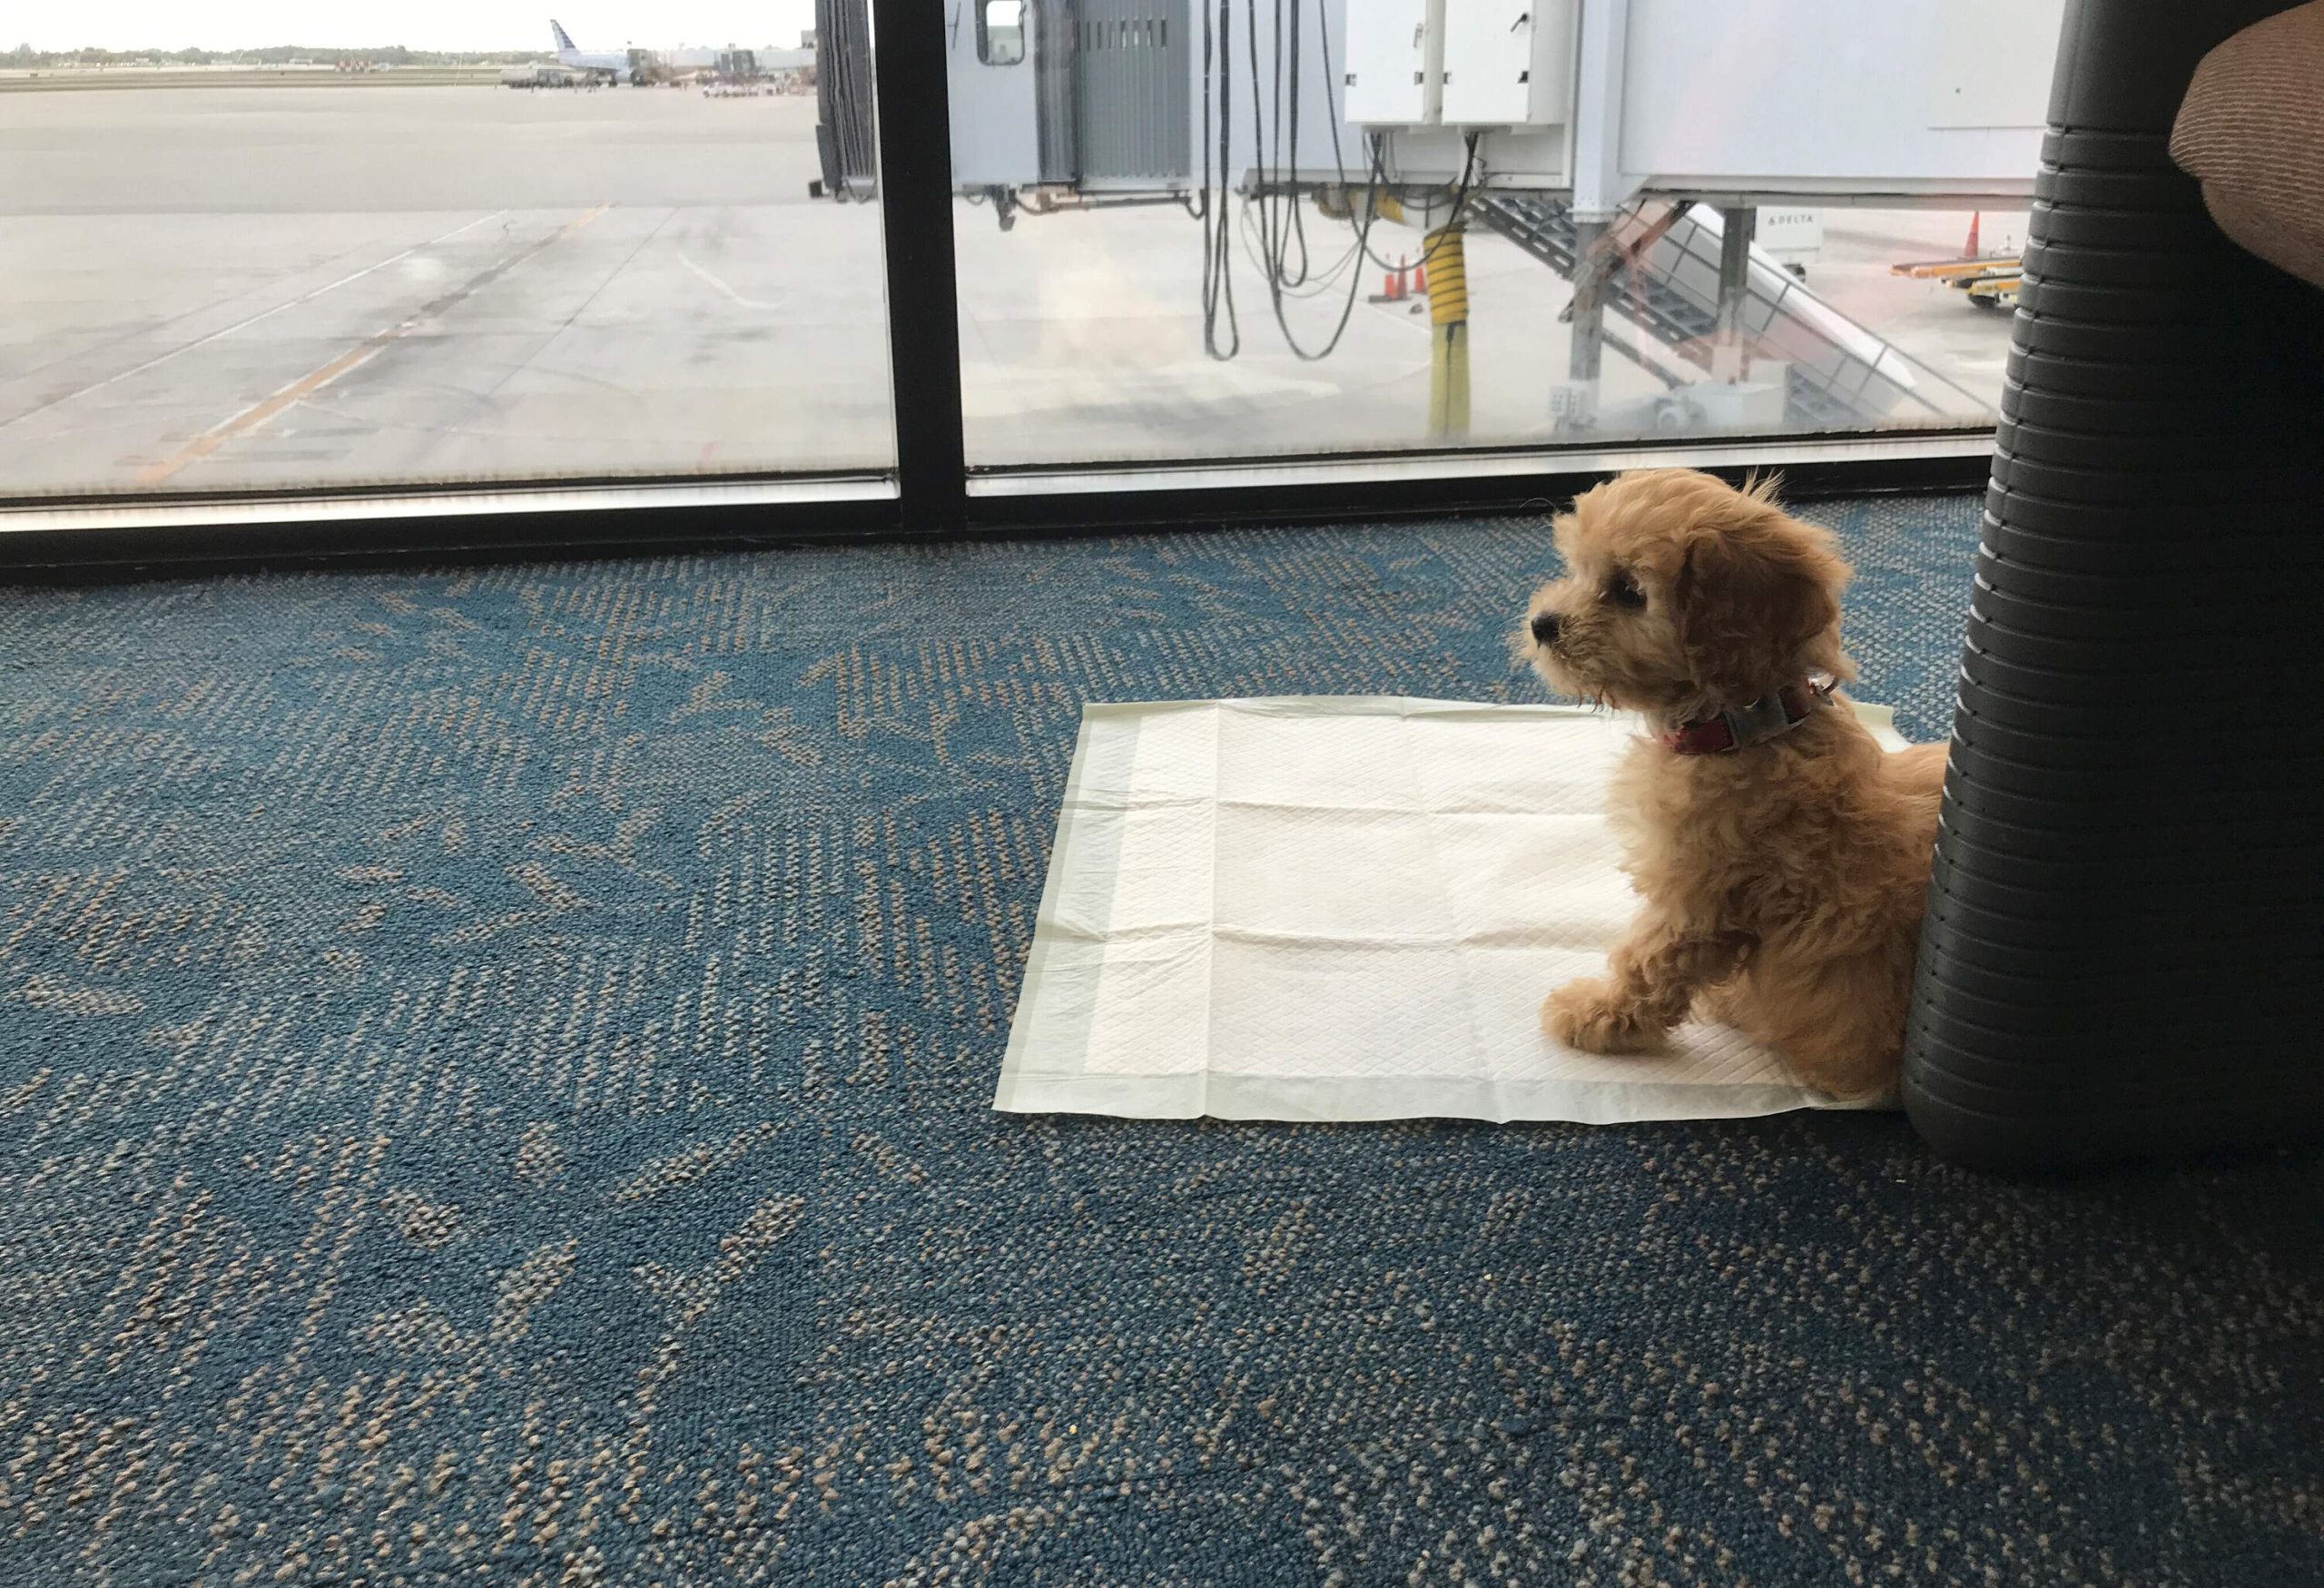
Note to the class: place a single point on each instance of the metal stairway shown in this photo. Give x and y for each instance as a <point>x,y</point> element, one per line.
<point>1666,282</point>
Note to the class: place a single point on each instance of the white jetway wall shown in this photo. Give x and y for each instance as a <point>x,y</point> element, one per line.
<point>1881,100</point>
<point>995,105</point>
<point>1467,63</point>
<point>1860,98</point>
<point>1428,73</point>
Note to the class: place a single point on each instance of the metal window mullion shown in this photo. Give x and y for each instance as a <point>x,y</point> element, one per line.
<point>915,186</point>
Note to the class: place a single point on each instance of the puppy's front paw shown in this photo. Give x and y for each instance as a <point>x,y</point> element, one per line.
<point>1587,1015</point>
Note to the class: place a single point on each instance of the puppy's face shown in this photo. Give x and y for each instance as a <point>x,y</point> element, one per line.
<point>1683,596</point>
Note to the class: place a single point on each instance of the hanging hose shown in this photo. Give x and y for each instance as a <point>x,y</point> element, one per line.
<point>1446,263</point>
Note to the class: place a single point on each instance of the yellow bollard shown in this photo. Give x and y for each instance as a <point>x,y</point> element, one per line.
<point>1448,334</point>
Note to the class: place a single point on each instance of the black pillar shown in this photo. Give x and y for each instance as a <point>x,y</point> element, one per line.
<point>2124,947</point>
<point>915,182</point>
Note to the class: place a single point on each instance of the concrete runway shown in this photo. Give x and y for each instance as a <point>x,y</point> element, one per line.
<point>1082,337</point>
<point>253,288</point>
<point>240,288</point>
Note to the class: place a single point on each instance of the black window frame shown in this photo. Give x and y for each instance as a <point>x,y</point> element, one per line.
<point>928,493</point>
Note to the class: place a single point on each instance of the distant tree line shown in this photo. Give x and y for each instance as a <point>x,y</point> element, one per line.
<point>23,57</point>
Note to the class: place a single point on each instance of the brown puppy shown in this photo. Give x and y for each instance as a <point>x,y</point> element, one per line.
<point>1782,854</point>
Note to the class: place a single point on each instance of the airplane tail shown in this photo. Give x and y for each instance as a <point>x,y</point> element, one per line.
<point>563,39</point>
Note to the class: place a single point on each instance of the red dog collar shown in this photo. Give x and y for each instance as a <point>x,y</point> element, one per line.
<point>1765,718</point>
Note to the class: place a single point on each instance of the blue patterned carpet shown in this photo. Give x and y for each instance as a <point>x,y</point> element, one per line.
<point>494,1073</point>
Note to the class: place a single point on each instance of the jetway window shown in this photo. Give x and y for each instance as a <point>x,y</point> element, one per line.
<point>1001,32</point>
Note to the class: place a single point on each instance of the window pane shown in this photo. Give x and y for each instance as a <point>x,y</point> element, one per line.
<point>1203,230</point>
<point>1003,23</point>
<point>484,255</point>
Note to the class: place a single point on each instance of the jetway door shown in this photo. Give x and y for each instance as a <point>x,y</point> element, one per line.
<point>1132,69</point>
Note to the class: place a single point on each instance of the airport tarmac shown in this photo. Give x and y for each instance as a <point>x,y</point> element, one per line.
<point>250,289</point>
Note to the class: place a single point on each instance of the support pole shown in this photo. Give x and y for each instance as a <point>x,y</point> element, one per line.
<point>1574,405</point>
<point>1728,354</point>
<point>1443,259</point>
<point>1602,189</point>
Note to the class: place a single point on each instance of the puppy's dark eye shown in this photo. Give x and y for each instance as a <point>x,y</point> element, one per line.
<point>1623,591</point>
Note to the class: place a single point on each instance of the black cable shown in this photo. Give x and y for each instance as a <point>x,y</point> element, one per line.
<point>1339,156</point>
<point>1275,183</point>
<point>1259,162</point>
<point>1314,286</point>
<point>1356,280</point>
<point>1298,214</point>
<point>1276,235</point>
<point>1461,193</point>
<point>1339,152</point>
<point>1274,165</point>
<point>1217,257</point>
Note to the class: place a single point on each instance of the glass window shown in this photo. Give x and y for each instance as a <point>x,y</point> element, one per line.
<point>1196,231</point>
<point>507,249</point>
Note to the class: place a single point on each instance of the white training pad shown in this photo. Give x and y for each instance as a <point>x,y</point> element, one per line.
<point>1345,907</point>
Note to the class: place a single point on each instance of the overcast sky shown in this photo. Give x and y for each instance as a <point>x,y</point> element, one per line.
<point>420,24</point>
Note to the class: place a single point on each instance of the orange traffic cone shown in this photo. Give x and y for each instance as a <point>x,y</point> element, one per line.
<point>1420,280</point>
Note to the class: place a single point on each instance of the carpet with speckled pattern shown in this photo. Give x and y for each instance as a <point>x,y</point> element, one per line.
<point>494,1070</point>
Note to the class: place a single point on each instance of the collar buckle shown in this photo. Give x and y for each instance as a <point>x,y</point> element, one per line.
<point>1740,727</point>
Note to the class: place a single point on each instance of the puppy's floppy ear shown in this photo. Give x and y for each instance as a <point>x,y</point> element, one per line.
<point>1756,602</point>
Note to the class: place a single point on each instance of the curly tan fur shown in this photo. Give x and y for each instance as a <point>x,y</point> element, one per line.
<point>1782,883</point>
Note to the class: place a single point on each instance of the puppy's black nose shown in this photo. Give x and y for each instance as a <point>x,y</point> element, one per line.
<point>1545,628</point>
